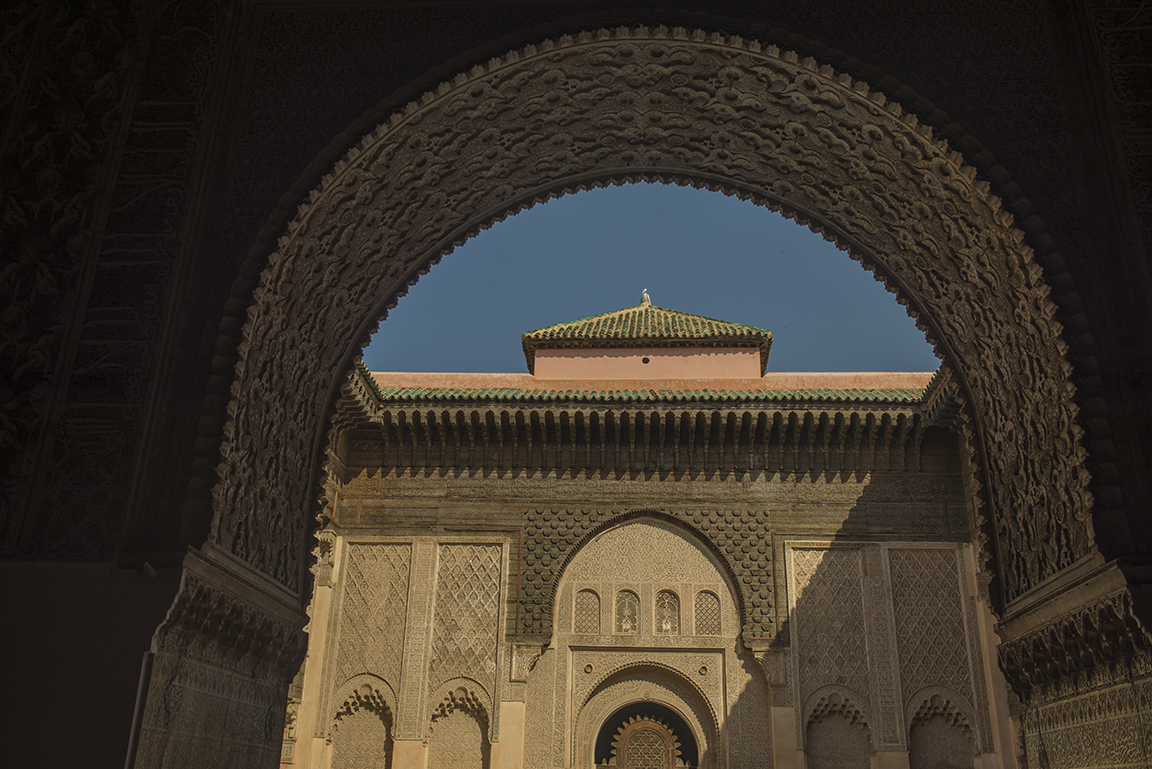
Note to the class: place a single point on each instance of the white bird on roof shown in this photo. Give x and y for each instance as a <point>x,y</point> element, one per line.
<point>644,298</point>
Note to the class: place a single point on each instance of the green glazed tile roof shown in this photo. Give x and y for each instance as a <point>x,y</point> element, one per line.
<point>645,325</point>
<point>518,395</point>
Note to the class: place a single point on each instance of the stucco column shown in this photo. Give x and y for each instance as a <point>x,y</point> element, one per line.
<point>311,746</point>
<point>1003,754</point>
<point>785,750</point>
<point>890,759</point>
<point>215,683</point>
<point>1078,657</point>
<point>409,754</point>
<point>785,754</point>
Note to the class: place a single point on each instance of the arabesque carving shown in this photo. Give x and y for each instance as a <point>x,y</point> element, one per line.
<point>465,632</point>
<point>219,655</point>
<point>672,105</point>
<point>1097,645</point>
<point>210,624</point>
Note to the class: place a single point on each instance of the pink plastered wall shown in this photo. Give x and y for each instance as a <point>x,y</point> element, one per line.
<point>649,363</point>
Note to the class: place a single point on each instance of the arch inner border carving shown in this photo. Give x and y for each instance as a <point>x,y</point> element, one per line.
<point>681,106</point>
<point>643,682</point>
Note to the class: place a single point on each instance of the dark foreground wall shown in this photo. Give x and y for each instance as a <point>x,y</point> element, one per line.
<point>153,152</point>
<point>74,639</point>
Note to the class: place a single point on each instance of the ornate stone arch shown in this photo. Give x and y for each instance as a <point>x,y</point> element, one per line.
<point>941,701</point>
<point>364,692</point>
<point>365,696</point>
<point>940,727</point>
<point>646,681</point>
<point>466,695</point>
<point>671,105</point>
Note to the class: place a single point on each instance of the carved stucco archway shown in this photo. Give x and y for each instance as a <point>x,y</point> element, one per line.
<point>672,105</point>
<point>640,683</point>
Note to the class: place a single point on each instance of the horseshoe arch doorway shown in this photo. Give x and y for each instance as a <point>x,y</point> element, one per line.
<point>646,734</point>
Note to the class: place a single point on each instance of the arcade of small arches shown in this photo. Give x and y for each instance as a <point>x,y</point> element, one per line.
<point>666,613</point>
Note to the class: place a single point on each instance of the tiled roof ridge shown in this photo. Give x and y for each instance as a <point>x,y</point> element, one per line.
<point>644,324</point>
<point>680,315</point>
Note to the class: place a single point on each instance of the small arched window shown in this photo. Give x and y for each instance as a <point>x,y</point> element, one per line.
<point>667,613</point>
<point>707,613</point>
<point>627,613</point>
<point>587,614</point>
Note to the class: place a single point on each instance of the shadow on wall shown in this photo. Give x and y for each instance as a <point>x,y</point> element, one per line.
<point>872,652</point>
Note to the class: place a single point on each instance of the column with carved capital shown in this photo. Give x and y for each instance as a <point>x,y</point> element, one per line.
<point>216,679</point>
<point>1080,661</point>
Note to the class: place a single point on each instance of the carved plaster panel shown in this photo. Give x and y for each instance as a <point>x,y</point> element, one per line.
<point>827,612</point>
<point>940,648</point>
<point>367,629</point>
<point>468,626</point>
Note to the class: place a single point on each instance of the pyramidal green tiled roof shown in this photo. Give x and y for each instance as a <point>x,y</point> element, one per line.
<point>645,325</point>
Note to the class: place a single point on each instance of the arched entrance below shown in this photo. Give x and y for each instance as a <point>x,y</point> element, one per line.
<point>646,734</point>
<point>646,716</point>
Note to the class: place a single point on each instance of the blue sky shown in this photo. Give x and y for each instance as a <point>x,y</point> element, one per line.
<point>696,251</point>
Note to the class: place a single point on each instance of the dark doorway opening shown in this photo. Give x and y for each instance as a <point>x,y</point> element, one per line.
<point>689,752</point>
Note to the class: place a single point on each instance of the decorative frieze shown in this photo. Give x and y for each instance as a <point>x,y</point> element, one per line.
<point>1093,645</point>
<point>876,434</point>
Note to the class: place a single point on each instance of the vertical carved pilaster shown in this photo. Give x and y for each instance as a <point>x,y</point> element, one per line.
<point>881,629</point>
<point>414,675</point>
<point>219,670</point>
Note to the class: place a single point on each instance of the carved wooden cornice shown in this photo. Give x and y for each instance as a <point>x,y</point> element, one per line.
<point>749,435</point>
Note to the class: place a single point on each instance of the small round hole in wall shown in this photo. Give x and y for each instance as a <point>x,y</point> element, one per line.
<point>644,360</point>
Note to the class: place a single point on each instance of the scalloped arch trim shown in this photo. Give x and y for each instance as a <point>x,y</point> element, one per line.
<point>676,105</point>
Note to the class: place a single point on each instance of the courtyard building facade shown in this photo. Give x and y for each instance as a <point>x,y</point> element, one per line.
<point>707,566</point>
